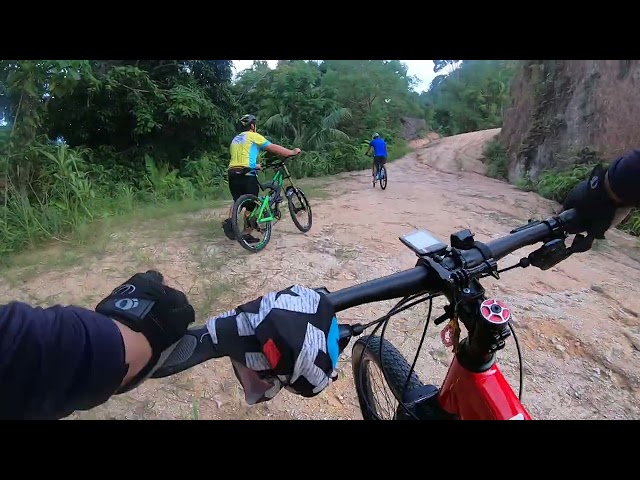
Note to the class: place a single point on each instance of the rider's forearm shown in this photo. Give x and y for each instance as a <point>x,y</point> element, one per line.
<point>623,178</point>
<point>54,361</point>
<point>137,350</point>
<point>279,150</point>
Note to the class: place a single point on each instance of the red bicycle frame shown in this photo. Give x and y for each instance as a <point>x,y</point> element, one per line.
<point>480,396</point>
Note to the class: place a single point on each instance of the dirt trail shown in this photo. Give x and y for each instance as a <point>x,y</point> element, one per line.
<point>578,323</point>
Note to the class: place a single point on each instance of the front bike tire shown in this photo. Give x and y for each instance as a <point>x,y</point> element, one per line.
<point>383,178</point>
<point>366,350</point>
<point>299,194</point>
<point>237,229</point>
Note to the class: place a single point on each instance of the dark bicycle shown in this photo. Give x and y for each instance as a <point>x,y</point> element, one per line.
<point>381,176</point>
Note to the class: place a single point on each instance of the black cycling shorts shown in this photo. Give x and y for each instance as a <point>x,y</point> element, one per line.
<point>380,160</point>
<point>240,184</point>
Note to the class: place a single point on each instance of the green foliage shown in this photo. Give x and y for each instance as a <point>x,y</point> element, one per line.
<point>495,158</point>
<point>89,139</point>
<point>525,183</point>
<point>329,109</point>
<point>69,191</point>
<point>632,223</point>
<point>556,184</point>
<point>470,98</point>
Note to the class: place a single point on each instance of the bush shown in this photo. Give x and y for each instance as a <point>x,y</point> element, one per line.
<point>556,184</point>
<point>66,191</point>
<point>495,158</point>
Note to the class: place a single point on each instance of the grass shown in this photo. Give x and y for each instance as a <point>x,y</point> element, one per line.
<point>495,158</point>
<point>98,238</point>
<point>397,150</point>
<point>556,184</point>
<point>105,236</point>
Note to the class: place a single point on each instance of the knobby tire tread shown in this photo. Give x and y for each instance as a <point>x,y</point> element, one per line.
<point>384,179</point>
<point>394,365</point>
<point>238,231</point>
<point>297,191</point>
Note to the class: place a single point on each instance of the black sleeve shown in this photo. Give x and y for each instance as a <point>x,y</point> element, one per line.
<point>54,361</point>
<point>624,178</point>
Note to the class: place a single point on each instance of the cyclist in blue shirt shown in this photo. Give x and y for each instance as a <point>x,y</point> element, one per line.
<point>59,359</point>
<point>379,147</point>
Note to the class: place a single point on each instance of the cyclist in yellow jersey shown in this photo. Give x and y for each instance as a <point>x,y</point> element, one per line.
<point>243,168</point>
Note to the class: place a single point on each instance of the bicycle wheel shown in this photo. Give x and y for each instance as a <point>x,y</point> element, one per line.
<point>295,195</point>
<point>237,216</point>
<point>383,177</point>
<point>365,353</point>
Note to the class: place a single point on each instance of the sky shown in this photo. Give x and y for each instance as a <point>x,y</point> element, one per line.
<point>423,69</point>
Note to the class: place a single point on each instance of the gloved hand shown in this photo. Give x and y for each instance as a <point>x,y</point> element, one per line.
<point>596,209</point>
<point>284,339</point>
<point>162,314</point>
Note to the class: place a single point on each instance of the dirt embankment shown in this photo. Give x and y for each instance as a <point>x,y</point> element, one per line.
<point>560,107</point>
<point>578,323</point>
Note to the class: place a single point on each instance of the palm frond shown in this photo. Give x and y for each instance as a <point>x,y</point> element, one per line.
<point>336,117</point>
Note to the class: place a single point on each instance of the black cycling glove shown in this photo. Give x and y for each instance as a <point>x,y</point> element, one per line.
<point>162,314</point>
<point>595,208</point>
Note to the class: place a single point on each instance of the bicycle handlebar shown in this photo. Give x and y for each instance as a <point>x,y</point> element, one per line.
<point>280,161</point>
<point>196,346</point>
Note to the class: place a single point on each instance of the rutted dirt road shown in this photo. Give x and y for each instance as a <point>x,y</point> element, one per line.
<point>578,323</point>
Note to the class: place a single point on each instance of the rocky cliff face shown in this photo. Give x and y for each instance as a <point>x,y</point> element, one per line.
<point>570,111</point>
<point>413,128</point>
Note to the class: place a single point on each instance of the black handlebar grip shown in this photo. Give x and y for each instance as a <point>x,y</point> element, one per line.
<point>194,348</point>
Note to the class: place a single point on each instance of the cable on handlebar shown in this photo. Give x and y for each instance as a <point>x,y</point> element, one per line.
<point>415,359</point>
<point>382,322</point>
<point>520,360</point>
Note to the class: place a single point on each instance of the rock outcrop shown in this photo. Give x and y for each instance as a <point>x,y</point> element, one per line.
<point>570,111</point>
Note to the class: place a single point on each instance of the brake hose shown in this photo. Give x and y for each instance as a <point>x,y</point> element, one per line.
<point>520,361</point>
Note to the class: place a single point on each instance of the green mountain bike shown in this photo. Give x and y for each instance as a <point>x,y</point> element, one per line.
<point>260,213</point>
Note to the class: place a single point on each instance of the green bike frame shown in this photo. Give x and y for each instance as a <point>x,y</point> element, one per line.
<point>277,180</point>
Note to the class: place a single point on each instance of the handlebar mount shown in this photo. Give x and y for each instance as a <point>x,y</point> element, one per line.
<point>459,267</point>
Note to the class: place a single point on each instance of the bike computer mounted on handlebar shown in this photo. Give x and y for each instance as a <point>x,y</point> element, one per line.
<point>456,271</point>
<point>423,243</point>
